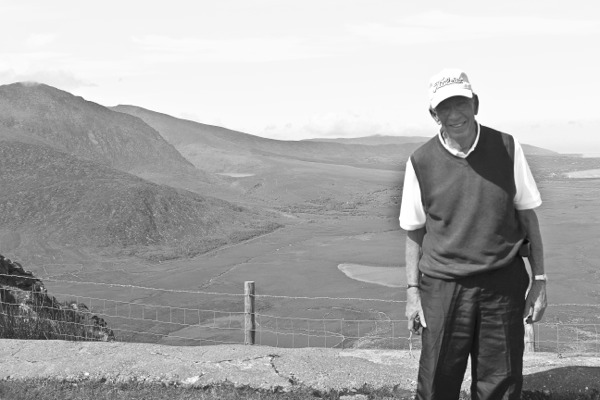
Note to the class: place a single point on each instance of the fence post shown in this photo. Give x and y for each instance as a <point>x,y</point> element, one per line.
<point>249,321</point>
<point>529,338</point>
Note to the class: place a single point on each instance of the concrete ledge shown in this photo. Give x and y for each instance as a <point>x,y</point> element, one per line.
<point>258,367</point>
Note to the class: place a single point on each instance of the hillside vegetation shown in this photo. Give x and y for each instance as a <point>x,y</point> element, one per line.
<point>57,198</point>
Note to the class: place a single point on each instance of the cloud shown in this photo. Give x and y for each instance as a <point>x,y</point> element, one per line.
<point>437,26</point>
<point>23,62</point>
<point>331,125</point>
<point>251,49</point>
<point>40,39</point>
<point>62,68</point>
<point>24,12</point>
<point>61,79</point>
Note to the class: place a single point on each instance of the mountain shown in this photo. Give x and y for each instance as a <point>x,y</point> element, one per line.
<point>377,140</point>
<point>566,137</point>
<point>51,200</point>
<point>37,113</point>
<point>222,150</point>
<point>537,151</point>
<point>374,140</point>
<point>303,175</point>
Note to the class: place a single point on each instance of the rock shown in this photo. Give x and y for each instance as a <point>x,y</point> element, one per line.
<point>191,380</point>
<point>354,397</point>
<point>25,303</point>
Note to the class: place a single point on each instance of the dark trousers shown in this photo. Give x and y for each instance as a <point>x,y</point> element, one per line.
<point>480,316</point>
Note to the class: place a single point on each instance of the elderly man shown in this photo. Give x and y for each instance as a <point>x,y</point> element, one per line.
<point>467,207</point>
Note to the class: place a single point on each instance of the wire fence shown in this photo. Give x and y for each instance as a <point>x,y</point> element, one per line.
<point>111,311</point>
<point>564,338</point>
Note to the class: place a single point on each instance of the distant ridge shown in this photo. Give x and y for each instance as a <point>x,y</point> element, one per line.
<point>218,149</point>
<point>377,140</point>
<point>537,151</point>
<point>38,113</point>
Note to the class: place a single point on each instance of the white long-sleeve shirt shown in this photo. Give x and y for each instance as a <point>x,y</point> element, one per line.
<point>412,213</point>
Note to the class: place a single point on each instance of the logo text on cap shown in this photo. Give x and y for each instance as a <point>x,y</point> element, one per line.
<point>445,82</point>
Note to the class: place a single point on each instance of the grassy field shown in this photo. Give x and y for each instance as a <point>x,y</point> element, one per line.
<point>97,390</point>
<point>53,390</point>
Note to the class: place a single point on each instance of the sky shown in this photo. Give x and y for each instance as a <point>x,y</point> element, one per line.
<point>292,70</point>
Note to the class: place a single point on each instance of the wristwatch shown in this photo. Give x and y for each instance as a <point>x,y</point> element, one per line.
<point>543,277</point>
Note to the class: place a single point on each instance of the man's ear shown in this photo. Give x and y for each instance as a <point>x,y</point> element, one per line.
<point>434,116</point>
<point>476,103</point>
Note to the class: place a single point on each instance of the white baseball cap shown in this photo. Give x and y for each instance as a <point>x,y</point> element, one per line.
<point>448,83</point>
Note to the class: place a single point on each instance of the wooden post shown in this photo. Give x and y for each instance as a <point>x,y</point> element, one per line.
<point>529,338</point>
<point>249,322</point>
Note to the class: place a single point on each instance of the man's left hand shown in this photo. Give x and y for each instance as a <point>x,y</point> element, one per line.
<point>535,303</point>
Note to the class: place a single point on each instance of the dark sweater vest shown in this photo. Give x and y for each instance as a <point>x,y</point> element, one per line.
<point>471,222</point>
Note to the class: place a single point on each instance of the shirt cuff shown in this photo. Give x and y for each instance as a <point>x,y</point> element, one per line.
<point>411,227</point>
<point>529,205</point>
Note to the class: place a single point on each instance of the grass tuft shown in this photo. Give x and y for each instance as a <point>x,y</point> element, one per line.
<point>44,318</point>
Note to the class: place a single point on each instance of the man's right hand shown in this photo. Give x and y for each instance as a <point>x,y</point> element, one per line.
<point>414,309</point>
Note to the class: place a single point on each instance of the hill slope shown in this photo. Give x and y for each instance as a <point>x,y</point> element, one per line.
<point>50,198</point>
<point>37,113</point>
<point>217,149</point>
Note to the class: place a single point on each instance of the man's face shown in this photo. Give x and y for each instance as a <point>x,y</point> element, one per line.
<point>457,116</point>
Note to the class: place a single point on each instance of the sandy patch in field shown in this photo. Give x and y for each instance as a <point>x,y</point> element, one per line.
<point>385,276</point>
<point>587,174</point>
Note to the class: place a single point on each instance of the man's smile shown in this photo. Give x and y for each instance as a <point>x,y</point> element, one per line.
<point>457,125</point>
